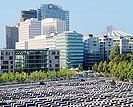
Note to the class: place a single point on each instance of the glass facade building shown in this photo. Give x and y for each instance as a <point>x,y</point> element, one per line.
<point>70,45</point>
<point>29,60</point>
<point>91,52</point>
<point>11,36</point>
<point>27,14</point>
<point>53,11</point>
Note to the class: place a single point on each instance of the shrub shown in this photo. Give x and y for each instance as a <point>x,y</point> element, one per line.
<point>113,82</point>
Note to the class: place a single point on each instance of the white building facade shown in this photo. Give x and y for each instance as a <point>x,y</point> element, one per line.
<point>28,30</point>
<point>53,25</point>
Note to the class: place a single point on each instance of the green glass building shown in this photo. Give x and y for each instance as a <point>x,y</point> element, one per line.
<point>70,44</point>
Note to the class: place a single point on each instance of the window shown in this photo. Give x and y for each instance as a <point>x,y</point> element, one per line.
<point>56,65</point>
<point>2,53</point>
<point>7,53</point>
<point>4,67</point>
<point>56,57</point>
<point>11,66</point>
<point>5,62</point>
<point>2,58</point>
<point>10,57</point>
<point>11,62</point>
<point>53,53</point>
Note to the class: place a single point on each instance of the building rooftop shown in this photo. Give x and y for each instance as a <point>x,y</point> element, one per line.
<point>113,32</point>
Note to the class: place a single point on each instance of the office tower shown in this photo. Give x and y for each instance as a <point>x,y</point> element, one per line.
<point>53,11</point>
<point>28,30</point>
<point>11,36</point>
<point>52,25</point>
<point>70,45</point>
<point>123,44</point>
<point>91,51</point>
<point>106,46</point>
<point>28,60</point>
<point>27,14</point>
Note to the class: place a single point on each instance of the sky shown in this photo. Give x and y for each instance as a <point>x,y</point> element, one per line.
<point>86,16</point>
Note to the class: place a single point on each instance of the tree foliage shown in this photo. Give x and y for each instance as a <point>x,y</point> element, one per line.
<point>120,65</point>
<point>95,67</point>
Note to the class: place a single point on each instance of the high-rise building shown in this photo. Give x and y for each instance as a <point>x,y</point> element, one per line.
<point>91,51</point>
<point>53,25</point>
<point>28,30</point>
<point>11,36</point>
<point>53,11</point>
<point>70,45</point>
<point>28,60</point>
<point>27,14</point>
<point>106,46</point>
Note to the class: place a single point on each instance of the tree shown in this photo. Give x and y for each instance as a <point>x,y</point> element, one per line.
<point>113,82</point>
<point>24,76</point>
<point>95,67</point>
<point>105,67</point>
<point>122,77</point>
<point>112,72</point>
<point>130,66</point>
<point>17,76</point>
<point>100,67</point>
<point>110,66</point>
<point>39,75</point>
<point>130,75</point>
<point>58,75</point>
<point>114,53</point>
<point>42,75</point>
<point>4,77</point>
<point>11,76</point>
<point>80,67</point>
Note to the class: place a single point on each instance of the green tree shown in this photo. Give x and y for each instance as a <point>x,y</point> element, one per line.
<point>58,75</point>
<point>110,66</point>
<point>122,77</point>
<point>80,67</point>
<point>11,76</point>
<point>112,72</point>
<point>39,75</point>
<point>114,53</point>
<point>95,67</point>
<point>17,76</point>
<point>100,67</point>
<point>4,77</point>
<point>130,75</point>
<point>24,76</point>
<point>42,75</point>
<point>105,67</point>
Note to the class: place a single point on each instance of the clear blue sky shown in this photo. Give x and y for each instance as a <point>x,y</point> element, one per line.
<point>86,16</point>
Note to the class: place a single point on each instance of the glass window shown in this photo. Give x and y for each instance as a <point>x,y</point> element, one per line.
<point>56,57</point>
<point>2,58</point>
<point>5,62</point>
<point>53,53</point>
<point>10,57</point>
